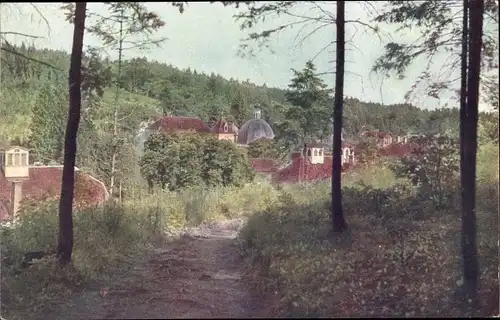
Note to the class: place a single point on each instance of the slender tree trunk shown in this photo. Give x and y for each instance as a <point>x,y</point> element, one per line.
<point>117,96</point>
<point>469,150</point>
<point>463,75</point>
<point>65,239</point>
<point>338,221</point>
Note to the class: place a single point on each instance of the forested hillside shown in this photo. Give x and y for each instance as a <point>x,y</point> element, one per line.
<point>35,100</point>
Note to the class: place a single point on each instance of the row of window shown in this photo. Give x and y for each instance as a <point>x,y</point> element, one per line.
<point>17,158</point>
<point>316,152</point>
<point>347,152</point>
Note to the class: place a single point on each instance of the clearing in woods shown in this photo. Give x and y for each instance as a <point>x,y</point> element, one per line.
<point>198,276</point>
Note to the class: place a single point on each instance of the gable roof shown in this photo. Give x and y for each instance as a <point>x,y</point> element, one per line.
<point>45,183</point>
<point>308,171</point>
<point>173,123</point>
<point>220,125</point>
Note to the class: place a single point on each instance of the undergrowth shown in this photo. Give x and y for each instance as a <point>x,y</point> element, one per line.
<point>401,256</point>
<point>106,239</point>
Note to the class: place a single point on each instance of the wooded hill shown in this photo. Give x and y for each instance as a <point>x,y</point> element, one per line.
<point>35,101</point>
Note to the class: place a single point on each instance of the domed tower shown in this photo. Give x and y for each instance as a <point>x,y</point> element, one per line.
<point>255,129</point>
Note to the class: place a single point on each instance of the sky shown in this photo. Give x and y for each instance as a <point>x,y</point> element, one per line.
<point>206,38</point>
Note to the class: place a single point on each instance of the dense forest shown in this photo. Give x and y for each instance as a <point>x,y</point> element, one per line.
<point>35,100</point>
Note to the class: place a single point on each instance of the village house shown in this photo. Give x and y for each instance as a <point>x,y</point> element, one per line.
<point>20,181</point>
<point>383,139</point>
<point>222,129</point>
<point>252,130</point>
<point>312,164</point>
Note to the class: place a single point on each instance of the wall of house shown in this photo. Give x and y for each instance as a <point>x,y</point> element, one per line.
<point>227,136</point>
<point>316,155</point>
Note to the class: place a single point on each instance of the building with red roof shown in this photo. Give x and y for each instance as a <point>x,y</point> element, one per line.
<point>311,164</point>
<point>224,130</point>
<point>44,183</point>
<point>264,166</point>
<point>384,139</point>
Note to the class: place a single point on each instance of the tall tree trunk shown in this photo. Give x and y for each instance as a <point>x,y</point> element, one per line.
<point>338,221</point>
<point>65,239</point>
<point>117,96</point>
<point>463,76</point>
<point>469,150</point>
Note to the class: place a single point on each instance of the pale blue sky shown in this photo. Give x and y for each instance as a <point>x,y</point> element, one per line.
<point>206,38</point>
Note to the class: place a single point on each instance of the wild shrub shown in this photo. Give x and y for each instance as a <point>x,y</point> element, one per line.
<point>433,168</point>
<point>177,162</point>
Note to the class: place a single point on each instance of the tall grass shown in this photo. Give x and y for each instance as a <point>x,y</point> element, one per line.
<point>107,238</point>
<point>402,257</point>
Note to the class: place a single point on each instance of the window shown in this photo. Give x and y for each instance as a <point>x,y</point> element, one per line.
<point>24,159</point>
<point>320,153</point>
<point>309,152</point>
<point>17,158</point>
<point>226,128</point>
<point>315,152</point>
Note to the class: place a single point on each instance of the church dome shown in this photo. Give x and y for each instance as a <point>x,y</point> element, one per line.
<point>255,129</point>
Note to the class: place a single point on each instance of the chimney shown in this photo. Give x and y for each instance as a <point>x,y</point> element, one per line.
<point>298,164</point>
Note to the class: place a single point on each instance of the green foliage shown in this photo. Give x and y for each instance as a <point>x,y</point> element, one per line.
<point>433,167</point>
<point>47,128</point>
<point>309,98</point>
<point>440,31</point>
<point>367,151</point>
<point>176,162</point>
<point>109,239</point>
<point>488,129</point>
<point>397,243</point>
<point>144,84</point>
<point>262,148</point>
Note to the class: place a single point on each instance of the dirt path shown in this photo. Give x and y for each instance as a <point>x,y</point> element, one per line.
<point>197,277</point>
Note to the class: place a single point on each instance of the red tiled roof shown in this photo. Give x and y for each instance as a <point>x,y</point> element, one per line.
<point>263,165</point>
<point>219,127</point>
<point>172,124</point>
<point>398,150</point>
<point>45,183</point>
<point>302,166</point>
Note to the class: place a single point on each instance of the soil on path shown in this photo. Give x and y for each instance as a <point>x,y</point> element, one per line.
<point>198,276</point>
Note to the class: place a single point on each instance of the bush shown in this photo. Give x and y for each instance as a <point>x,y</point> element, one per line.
<point>177,162</point>
<point>433,167</point>
<point>262,148</point>
<point>400,258</point>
